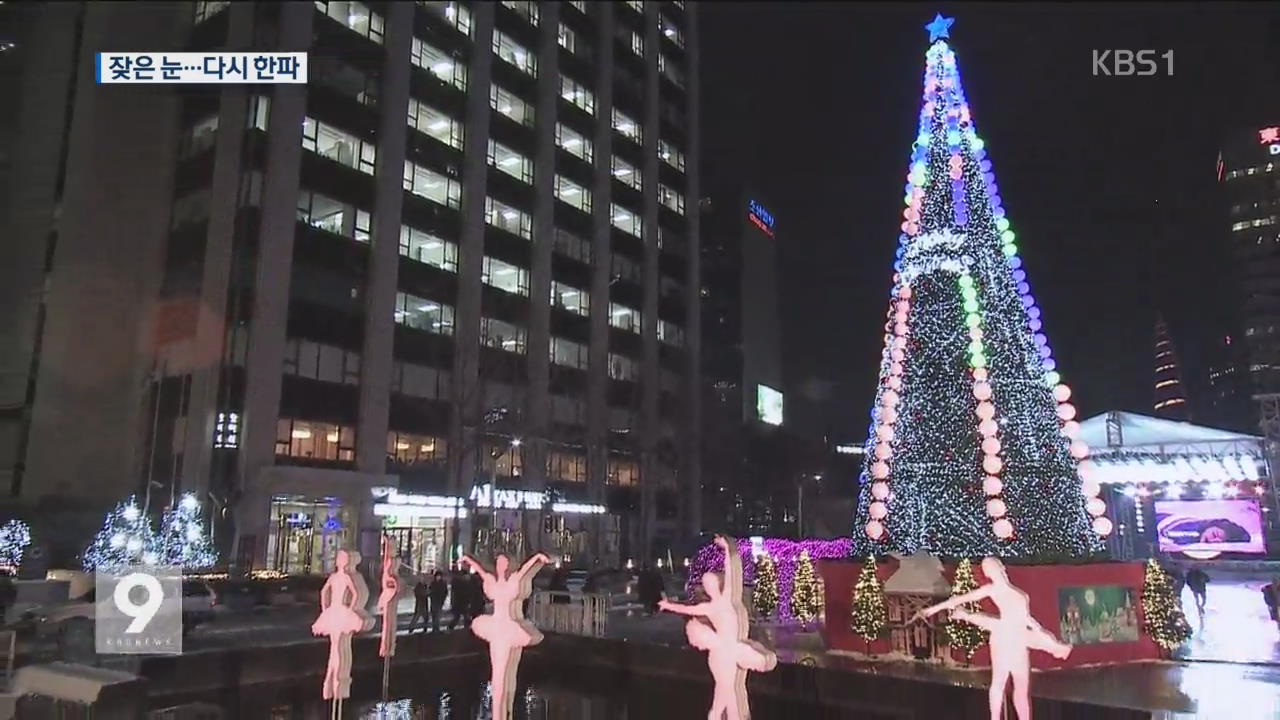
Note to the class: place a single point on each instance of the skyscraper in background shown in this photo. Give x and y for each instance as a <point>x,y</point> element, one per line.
<point>1170,396</point>
<point>461,262</point>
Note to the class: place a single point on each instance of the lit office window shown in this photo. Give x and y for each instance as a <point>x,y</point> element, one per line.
<point>637,43</point>
<point>505,217</point>
<point>259,112</point>
<point>573,194</point>
<point>199,137</point>
<point>623,472</point>
<point>580,5</point>
<point>627,127</point>
<point>454,13</point>
<point>636,5</point>
<point>574,143</point>
<point>514,53</point>
<point>411,449</point>
<point>624,318</point>
<point>510,162</point>
<point>354,15</point>
<point>330,142</point>
<point>334,216</point>
<point>626,221</point>
<point>206,9</point>
<point>670,333</point>
<point>439,64</point>
<point>670,198</point>
<point>626,173</point>
<point>317,361</point>
<point>503,335</point>
<point>622,367</point>
<point>577,94</point>
<point>526,9</point>
<point>511,105</point>
<point>422,314</point>
<point>568,353</point>
<point>572,246</point>
<point>669,30</point>
<point>429,249</point>
<point>505,276</point>
<point>570,298</point>
<point>312,440</point>
<point>567,38</point>
<point>431,185</point>
<point>670,154</point>
<point>670,70</point>
<point>566,467</point>
<point>430,121</point>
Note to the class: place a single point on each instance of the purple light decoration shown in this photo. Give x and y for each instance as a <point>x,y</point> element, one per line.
<point>1049,364</point>
<point>785,554</point>
<point>1035,324</point>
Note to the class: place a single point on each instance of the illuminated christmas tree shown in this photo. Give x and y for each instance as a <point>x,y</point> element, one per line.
<point>971,448</point>
<point>15,536</point>
<point>183,540</point>
<point>867,616</point>
<point>764,594</point>
<point>126,538</point>
<point>806,593</point>
<point>1161,609</point>
<point>962,635</point>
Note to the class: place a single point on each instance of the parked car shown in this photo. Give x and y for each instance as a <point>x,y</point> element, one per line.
<point>199,605</point>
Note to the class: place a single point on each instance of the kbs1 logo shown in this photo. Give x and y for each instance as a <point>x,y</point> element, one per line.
<point>1132,63</point>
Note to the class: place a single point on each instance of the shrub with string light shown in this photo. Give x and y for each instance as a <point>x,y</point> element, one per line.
<point>868,614</point>
<point>764,593</point>
<point>806,592</point>
<point>961,635</point>
<point>183,540</point>
<point>1162,612</point>
<point>15,536</point>
<point>126,538</point>
<point>971,449</point>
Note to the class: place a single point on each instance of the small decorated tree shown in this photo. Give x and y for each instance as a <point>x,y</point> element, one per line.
<point>183,541</point>
<point>1163,616</point>
<point>867,617</point>
<point>126,538</point>
<point>15,536</point>
<point>764,595</point>
<point>806,594</point>
<point>962,635</point>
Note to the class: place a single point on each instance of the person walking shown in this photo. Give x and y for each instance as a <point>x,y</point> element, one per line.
<point>459,599</point>
<point>1198,581</point>
<point>1271,596</point>
<point>437,592</point>
<point>419,604</point>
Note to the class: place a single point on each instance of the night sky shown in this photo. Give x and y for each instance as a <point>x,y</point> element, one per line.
<point>1108,181</point>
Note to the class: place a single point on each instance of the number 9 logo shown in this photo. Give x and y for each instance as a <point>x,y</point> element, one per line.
<point>142,614</point>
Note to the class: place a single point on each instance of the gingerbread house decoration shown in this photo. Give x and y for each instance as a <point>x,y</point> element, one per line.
<point>917,584</point>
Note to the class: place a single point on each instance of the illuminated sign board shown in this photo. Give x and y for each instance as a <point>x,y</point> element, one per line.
<point>769,405</point>
<point>760,217</point>
<point>1270,136</point>
<point>849,449</point>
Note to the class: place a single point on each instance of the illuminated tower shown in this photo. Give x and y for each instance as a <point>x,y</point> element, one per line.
<point>1170,398</point>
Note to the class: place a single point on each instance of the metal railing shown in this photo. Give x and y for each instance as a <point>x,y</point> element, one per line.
<point>570,613</point>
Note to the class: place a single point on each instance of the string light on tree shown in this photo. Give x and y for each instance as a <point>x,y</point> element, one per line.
<point>961,635</point>
<point>764,593</point>
<point>972,448</point>
<point>15,537</point>
<point>126,538</point>
<point>184,542</point>
<point>806,594</point>
<point>868,614</point>
<point>1162,612</point>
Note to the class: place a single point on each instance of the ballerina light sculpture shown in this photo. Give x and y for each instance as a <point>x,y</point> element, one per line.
<point>506,630</point>
<point>388,606</point>
<point>719,627</point>
<point>342,614</point>
<point>1014,633</point>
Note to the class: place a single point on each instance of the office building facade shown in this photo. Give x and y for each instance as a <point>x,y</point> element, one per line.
<point>447,289</point>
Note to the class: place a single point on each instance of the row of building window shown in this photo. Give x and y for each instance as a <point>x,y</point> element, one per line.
<point>1255,223</point>
<point>325,213</point>
<point>456,14</point>
<point>355,15</point>
<point>1250,171</point>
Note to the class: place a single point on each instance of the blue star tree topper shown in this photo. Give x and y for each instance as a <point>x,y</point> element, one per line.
<point>940,27</point>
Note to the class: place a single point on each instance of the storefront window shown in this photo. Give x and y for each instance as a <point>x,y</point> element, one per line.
<point>305,534</point>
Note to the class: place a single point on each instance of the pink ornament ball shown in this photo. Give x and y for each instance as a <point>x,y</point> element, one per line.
<point>895,369</point>
<point>888,415</point>
<point>1079,449</point>
<point>1085,470</point>
<point>890,398</point>
<point>1090,488</point>
<point>898,355</point>
<point>895,382</point>
<point>904,292</point>
<point>986,410</point>
<point>975,333</point>
<point>900,316</point>
<point>900,329</point>
<point>982,390</point>
<point>875,529</point>
<point>992,464</point>
<point>980,374</point>
<point>1002,528</point>
<point>996,508</point>
<point>1102,526</point>
<point>1062,393</point>
<point>992,486</point>
<point>880,470</point>
<point>991,446</point>
<point>877,510</point>
<point>1067,411</point>
<point>880,490</point>
<point>1095,507</point>
<point>883,451</point>
<point>1071,429</point>
<point>900,343</point>
<point>884,432</point>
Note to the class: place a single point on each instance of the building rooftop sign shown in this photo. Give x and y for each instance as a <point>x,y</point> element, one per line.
<point>760,217</point>
<point>1270,136</point>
